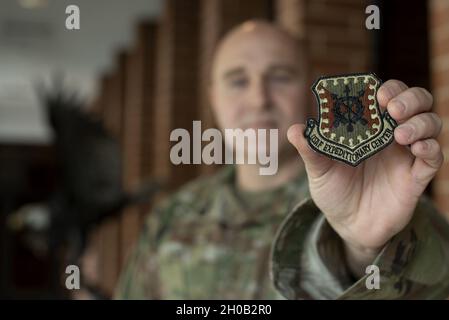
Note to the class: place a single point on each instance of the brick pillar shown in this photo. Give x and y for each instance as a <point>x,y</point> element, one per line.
<point>138,128</point>
<point>439,54</point>
<point>333,32</point>
<point>109,231</point>
<point>218,17</point>
<point>177,84</point>
<point>114,98</point>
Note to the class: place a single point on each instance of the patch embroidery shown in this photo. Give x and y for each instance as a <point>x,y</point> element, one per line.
<point>350,126</point>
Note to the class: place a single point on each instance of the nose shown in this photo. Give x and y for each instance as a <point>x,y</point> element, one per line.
<point>258,95</point>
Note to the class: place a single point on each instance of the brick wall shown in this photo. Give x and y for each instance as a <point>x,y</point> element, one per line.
<point>107,236</point>
<point>439,53</point>
<point>177,84</point>
<point>138,128</point>
<point>126,105</point>
<point>329,30</point>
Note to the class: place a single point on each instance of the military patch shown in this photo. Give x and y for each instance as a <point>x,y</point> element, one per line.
<point>350,126</point>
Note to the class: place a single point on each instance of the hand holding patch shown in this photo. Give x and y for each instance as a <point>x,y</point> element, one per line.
<point>370,203</point>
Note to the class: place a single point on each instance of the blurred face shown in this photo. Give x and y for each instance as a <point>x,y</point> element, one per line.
<point>258,81</point>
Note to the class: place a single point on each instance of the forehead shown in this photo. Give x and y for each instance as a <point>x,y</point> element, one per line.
<point>255,50</point>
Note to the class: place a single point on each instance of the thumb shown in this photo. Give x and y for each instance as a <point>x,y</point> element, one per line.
<point>315,163</point>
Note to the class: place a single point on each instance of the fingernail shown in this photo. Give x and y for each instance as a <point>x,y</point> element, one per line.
<point>406,131</point>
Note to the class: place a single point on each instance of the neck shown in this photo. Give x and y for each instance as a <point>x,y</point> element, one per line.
<point>248,177</point>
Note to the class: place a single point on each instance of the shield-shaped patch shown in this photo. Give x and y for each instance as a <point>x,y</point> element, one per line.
<point>350,126</point>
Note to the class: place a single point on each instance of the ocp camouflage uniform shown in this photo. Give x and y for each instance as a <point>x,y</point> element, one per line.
<point>213,241</point>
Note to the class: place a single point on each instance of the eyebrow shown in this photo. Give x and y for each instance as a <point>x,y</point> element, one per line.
<point>241,70</point>
<point>233,72</point>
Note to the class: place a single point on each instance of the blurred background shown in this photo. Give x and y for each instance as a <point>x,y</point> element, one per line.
<point>85,115</point>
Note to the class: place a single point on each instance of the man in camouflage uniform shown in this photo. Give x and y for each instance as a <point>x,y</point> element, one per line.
<point>213,239</point>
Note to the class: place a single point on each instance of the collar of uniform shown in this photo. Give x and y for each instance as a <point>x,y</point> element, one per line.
<point>235,207</point>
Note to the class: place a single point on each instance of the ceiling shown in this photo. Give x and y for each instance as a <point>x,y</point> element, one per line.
<point>34,44</point>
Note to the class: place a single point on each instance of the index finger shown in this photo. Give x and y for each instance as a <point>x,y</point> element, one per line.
<point>389,90</point>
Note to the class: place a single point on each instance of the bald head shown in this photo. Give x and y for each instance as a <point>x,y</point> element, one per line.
<point>255,36</point>
<point>258,79</point>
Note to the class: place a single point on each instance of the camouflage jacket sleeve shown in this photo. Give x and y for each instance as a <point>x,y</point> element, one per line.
<point>308,262</point>
<point>140,277</point>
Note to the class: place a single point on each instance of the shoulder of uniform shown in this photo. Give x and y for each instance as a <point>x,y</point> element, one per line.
<point>190,200</point>
<point>197,194</point>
